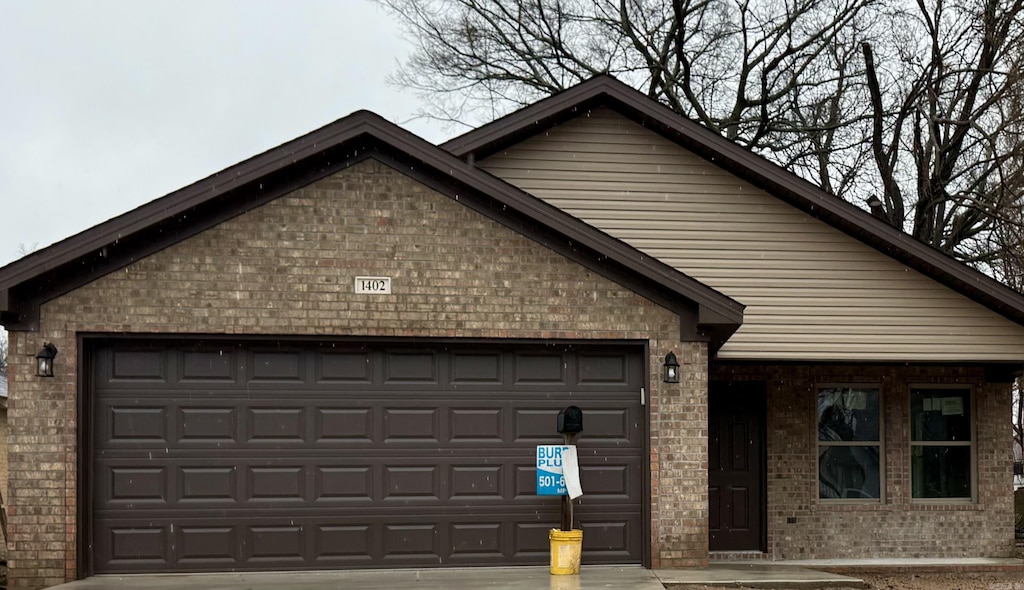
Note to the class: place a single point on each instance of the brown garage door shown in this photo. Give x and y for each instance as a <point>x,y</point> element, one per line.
<point>214,457</point>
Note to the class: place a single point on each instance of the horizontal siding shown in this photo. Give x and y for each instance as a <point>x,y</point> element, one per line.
<point>811,292</point>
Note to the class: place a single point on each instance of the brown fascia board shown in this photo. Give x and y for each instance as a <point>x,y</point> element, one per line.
<point>718,311</point>
<point>608,92</point>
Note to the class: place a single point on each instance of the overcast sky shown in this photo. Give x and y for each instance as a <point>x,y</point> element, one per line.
<point>107,105</point>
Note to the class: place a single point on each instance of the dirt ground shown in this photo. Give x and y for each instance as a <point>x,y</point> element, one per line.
<point>977,581</point>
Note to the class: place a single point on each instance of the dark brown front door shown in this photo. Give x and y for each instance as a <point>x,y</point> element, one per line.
<point>210,456</point>
<point>736,466</point>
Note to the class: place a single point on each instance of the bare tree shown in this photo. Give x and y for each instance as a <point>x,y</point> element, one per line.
<point>1010,237</point>
<point>945,132</point>
<point>899,103</point>
<point>778,76</point>
<point>1012,264</point>
<point>3,352</point>
<point>1018,415</point>
<point>26,249</point>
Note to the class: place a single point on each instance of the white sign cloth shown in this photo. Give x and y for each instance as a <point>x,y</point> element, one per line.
<point>571,471</point>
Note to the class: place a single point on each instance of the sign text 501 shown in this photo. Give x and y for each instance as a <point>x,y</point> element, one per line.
<point>373,285</point>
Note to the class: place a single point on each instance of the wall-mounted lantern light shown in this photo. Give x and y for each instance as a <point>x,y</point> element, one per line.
<point>671,372</point>
<point>44,360</point>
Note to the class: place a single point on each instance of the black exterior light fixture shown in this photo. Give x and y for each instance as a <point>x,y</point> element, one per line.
<point>671,369</point>
<point>44,360</point>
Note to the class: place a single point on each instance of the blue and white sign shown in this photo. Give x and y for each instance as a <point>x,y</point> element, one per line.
<point>550,476</point>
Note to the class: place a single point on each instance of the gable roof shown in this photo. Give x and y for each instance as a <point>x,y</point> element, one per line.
<point>41,276</point>
<point>605,91</point>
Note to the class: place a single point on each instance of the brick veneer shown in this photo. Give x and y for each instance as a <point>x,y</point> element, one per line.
<point>679,464</point>
<point>287,268</point>
<point>896,527</point>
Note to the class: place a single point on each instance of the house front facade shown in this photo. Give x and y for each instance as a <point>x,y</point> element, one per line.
<point>343,352</point>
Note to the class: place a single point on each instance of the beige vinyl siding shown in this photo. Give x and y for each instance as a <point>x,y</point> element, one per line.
<point>811,291</point>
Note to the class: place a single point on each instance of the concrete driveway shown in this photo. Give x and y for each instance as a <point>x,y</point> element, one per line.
<point>511,578</point>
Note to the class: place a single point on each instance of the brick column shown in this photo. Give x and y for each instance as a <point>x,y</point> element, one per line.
<point>41,447</point>
<point>679,462</point>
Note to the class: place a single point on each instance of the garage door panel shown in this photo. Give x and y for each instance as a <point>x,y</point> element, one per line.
<point>602,425</point>
<point>476,425</point>
<point>412,425</point>
<point>208,546</point>
<point>328,479</point>
<point>411,541</point>
<point>606,369</point>
<point>344,484</point>
<point>133,366</point>
<point>604,479</point>
<point>481,540</point>
<point>343,425</point>
<point>197,425</point>
<point>277,367</point>
<point>610,426</point>
<point>298,541</point>
<point>276,425</point>
<point>540,369</point>
<point>268,423</point>
<point>476,482</point>
<point>531,541</point>
<point>611,481</point>
<point>125,483</point>
<point>608,539</point>
<point>137,485</point>
<point>133,547</point>
<point>346,544</point>
<point>276,484</point>
<point>132,425</point>
<point>158,365</point>
<point>532,426</point>
<point>275,545</point>
<point>343,368</point>
<point>292,457</point>
<point>477,368</point>
<point>198,484</point>
<point>420,483</point>
<point>208,366</point>
<point>405,368</point>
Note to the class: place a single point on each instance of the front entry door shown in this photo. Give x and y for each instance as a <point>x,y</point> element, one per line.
<point>736,466</point>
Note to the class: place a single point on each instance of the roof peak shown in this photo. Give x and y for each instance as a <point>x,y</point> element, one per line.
<point>606,91</point>
<point>62,267</point>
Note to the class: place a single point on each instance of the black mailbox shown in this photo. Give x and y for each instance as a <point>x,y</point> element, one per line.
<point>570,420</point>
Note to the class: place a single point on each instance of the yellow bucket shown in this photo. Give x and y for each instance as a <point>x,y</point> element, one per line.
<point>566,551</point>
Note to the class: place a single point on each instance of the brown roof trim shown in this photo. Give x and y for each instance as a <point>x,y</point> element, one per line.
<point>608,92</point>
<point>26,283</point>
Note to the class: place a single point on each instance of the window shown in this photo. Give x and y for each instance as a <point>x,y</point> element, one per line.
<point>941,441</point>
<point>849,442</point>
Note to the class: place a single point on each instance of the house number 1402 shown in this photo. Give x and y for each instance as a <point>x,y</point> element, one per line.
<point>373,285</point>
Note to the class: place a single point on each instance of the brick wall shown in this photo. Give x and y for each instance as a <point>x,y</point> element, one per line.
<point>896,527</point>
<point>287,268</point>
<point>3,471</point>
<point>679,463</point>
